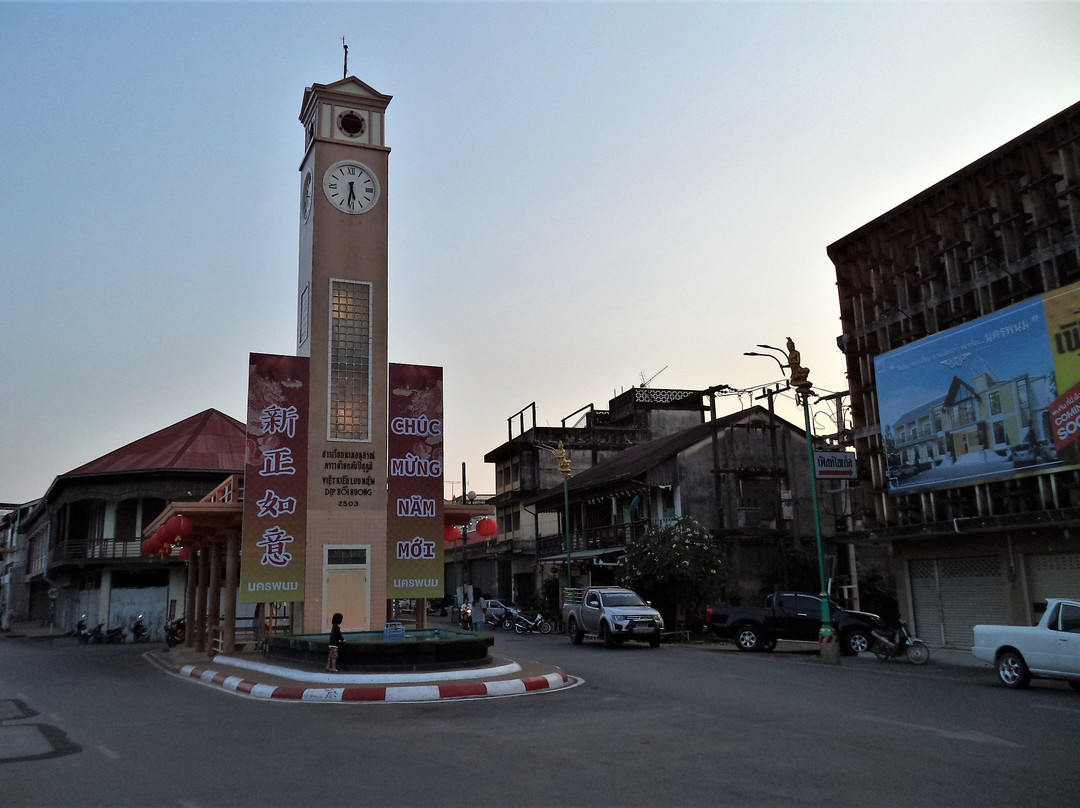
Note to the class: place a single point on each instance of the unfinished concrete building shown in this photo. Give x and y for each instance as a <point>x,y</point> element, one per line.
<point>1001,235</point>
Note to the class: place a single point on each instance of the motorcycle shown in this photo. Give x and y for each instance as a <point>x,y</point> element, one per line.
<point>897,642</point>
<point>175,631</point>
<point>81,634</point>
<point>538,623</point>
<point>116,635</point>
<point>139,632</point>
<point>97,634</point>
<point>465,618</point>
<point>501,618</point>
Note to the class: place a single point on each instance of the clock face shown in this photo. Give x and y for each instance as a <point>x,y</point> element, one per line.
<point>351,187</point>
<point>307,197</point>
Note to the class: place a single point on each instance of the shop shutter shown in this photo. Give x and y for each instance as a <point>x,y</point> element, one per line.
<point>972,591</point>
<point>1052,575</point>
<point>951,595</point>
<point>926,604</point>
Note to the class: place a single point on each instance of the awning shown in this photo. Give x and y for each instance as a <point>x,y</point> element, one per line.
<point>581,555</point>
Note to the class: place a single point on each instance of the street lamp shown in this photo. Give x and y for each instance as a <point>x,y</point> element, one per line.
<point>563,460</point>
<point>800,380</point>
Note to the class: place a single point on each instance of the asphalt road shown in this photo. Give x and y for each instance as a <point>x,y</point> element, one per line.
<point>678,725</point>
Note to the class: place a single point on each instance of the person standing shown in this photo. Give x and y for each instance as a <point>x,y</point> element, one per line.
<point>479,613</point>
<point>336,639</point>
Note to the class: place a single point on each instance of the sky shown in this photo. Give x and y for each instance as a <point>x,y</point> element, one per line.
<point>584,197</point>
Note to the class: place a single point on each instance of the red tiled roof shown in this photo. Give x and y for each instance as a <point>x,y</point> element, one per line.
<point>210,440</point>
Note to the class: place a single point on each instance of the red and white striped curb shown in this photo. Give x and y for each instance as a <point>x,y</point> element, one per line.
<point>461,690</point>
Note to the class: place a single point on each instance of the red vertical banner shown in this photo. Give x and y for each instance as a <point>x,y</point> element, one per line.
<point>415,482</point>
<point>274,539</point>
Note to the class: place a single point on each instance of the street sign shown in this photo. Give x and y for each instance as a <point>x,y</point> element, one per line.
<point>835,466</point>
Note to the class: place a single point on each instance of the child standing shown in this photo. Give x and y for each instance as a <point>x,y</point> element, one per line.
<point>336,639</point>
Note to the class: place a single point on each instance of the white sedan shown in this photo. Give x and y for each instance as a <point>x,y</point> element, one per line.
<point>1049,650</point>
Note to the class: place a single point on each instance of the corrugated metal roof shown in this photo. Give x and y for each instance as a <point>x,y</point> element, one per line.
<point>210,440</point>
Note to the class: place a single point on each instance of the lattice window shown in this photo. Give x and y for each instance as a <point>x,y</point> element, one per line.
<point>349,397</point>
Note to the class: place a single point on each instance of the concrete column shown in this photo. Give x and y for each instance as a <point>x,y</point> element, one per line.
<point>189,598</point>
<point>200,599</point>
<point>232,581</point>
<point>213,596</point>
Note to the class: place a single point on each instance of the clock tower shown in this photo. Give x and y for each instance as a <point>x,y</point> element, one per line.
<point>342,328</point>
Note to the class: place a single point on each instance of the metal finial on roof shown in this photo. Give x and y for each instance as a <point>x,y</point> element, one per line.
<point>345,70</point>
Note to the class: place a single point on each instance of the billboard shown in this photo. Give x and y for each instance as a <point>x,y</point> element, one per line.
<point>414,524</point>
<point>273,540</point>
<point>993,398</point>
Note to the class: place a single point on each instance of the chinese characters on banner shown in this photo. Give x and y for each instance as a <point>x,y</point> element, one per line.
<point>415,482</point>
<point>275,480</point>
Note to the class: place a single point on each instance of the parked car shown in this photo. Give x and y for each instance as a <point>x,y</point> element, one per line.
<point>503,610</point>
<point>1048,650</point>
<point>790,616</point>
<point>612,615</point>
<point>1023,454</point>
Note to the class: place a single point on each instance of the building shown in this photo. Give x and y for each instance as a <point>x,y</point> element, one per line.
<point>527,465</point>
<point>14,593</point>
<point>652,457</point>
<point>339,554</point>
<point>743,477</point>
<point>83,539</point>
<point>958,311</point>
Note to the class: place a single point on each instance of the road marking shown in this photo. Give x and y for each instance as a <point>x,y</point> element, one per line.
<point>107,752</point>
<point>961,735</point>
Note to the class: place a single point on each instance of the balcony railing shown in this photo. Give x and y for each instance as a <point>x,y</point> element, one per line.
<point>78,551</point>
<point>608,537</point>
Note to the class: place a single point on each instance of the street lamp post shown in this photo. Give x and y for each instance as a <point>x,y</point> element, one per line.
<point>563,460</point>
<point>800,380</point>
<point>564,467</point>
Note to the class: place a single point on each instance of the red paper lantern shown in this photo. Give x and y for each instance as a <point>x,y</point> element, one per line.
<point>183,526</point>
<point>487,527</point>
<point>148,546</point>
<point>165,550</point>
<point>185,553</point>
<point>451,533</point>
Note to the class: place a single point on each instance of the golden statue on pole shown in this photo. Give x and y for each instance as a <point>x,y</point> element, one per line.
<point>800,376</point>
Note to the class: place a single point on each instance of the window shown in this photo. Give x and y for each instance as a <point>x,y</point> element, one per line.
<point>346,556</point>
<point>995,403</point>
<point>999,432</point>
<point>349,398</point>
<point>127,513</point>
<point>303,317</point>
<point>1070,618</point>
<point>811,607</point>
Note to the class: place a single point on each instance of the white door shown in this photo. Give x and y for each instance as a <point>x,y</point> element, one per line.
<point>346,587</point>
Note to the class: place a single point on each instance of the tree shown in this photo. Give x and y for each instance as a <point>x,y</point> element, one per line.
<point>678,567</point>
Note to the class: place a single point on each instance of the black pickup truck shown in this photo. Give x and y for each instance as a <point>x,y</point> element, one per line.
<point>790,616</point>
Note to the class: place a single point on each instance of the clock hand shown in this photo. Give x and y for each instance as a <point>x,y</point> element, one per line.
<point>352,195</point>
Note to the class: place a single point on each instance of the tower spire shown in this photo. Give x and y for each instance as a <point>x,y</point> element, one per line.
<point>345,69</point>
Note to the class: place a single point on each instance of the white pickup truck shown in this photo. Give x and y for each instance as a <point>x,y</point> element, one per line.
<point>1048,650</point>
<point>611,614</point>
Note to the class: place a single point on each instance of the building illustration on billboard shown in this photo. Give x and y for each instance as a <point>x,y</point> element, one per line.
<point>985,400</point>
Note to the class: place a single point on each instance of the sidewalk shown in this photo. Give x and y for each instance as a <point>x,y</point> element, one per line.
<point>949,657</point>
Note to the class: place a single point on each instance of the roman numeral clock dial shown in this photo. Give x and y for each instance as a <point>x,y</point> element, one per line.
<point>351,187</point>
